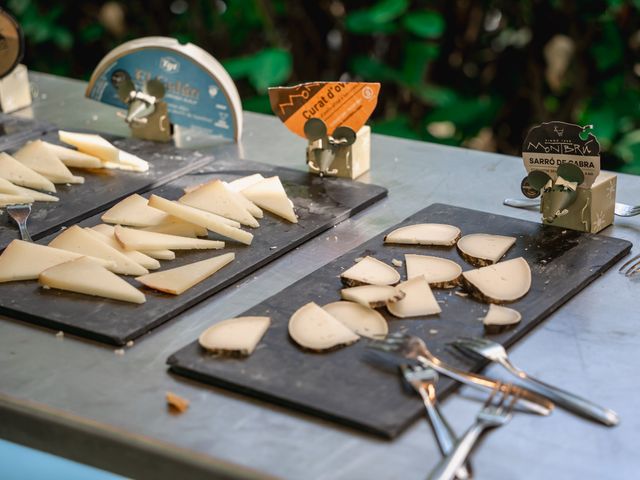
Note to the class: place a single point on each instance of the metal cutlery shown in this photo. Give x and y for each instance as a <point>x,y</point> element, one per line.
<point>621,209</point>
<point>495,412</point>
<point>400,346</point>
<point>20,213</point>
<point>423,380</point>
<point>633,268</point>
<point>490,350</point>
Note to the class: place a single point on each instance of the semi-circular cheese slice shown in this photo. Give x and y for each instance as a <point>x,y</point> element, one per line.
<point>370,271</point>
<point>315,329</point>
<point>361,320</point>
<point>235,336</point>
<point>373,296</point>
<point>499,283</point>
<point>418,301</point>
<point>481,249</point>
<point>439,272</point>
<point>438,234</point>
<point>500,318</point>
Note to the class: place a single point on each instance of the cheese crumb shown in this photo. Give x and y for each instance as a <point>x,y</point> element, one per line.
<point>461,294</point>
<point>60,334</point>
<point>433,331</point>
<point>130,343</point>
<point>119,351</point>
<point>397,263</point>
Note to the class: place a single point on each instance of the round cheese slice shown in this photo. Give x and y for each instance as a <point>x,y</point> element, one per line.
<point>437,234</point>
<point>499,283</point>
<point>361,320</point>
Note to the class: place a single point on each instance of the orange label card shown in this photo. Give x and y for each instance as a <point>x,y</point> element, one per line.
<point>337,104</point>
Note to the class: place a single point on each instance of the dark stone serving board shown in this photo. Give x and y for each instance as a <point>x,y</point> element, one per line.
<point>344,385</point>
<point>320,204</point>
<point>16,130</point>
<point>103,188</point>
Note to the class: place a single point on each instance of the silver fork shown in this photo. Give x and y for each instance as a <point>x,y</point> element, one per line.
<point>633,269</point>
<point>423,380</point>
<point>495,412</point>
<point>620,209</point>
<point>485,348</point>
<point>400,346</point>
<point>20,213</point>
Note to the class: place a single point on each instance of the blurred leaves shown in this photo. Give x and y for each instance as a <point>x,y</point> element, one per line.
<point>376,19</point>
<point>424,24</point>
<point>264,69</point>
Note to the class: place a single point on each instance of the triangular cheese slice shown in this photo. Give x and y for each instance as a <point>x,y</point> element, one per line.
<point>7,187</point>
<point>39,158</point>
<point>109,231</point>
<point>270,195</point>
<point>91,144</point>
<point>74,158</point>
<point>417,302</point>
<point>251,207</point>
<point>129,161</point>
<point>241,183</point>
<point>26,260</point>
<point>208,220</point>
<point>19,174</point>
<point>10,199</point>
<point>214,197</point>
<point>76,239</point>
<point>138,257</point>
<point>239,336</point>
<point>180,228</point>
<point>160,254</point>
<point>84,276</point>
<point>135,212</point>
<point>140,240</point>
<point>177,280</point>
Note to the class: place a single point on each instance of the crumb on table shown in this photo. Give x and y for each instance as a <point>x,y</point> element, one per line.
<point>177,403</point>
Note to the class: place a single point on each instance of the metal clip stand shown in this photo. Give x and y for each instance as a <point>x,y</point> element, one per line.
<point>344,154</point>
<point>14,90</point>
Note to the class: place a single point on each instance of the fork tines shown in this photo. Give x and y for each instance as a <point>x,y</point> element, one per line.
<point>508,395</point>
<point>633,269</point>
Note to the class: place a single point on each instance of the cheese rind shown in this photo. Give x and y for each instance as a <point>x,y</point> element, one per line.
<point>138,257</point>
<point>235,336</point>
<point>74,158</point>
<point>373,296</point>
<point>133,239</point>
<point>91,144</point>
<point>7,187</point>
<point>19,174</point>
<point>39,158</point>
<point>76,239</point>
<point>270,195</point>
<point>26,260</point>
<point>86,277</point>
<point>177,280</point>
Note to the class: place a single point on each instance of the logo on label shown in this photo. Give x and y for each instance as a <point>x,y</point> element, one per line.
<point>558,131</point>
<point>367,92</point>
<point>169,65</point>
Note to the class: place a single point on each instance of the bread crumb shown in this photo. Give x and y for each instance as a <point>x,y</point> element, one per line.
<point>129,343</point>
<point>461,294</point>
<point>397,263</point>
<point>119,351</point>
<point>60,334</point>
<point>176,403</point>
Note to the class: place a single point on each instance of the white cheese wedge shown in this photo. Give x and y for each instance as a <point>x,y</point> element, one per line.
<point>109,231</point>
<point>214,197</point>
<point>270,195</point>
<point>500,318</point>
<point>437,234</point>
<point>241,183</point>
<point>373,296</point>
<point>177,280</point>
<point>134,211</point>
<point>76,239</point>
<point>361,320</point>
<point>74,158</point>
<point>142,241</point>
<point>10,199</point>
<point>7,187</point>
<point>26,260</point>
<point>417,302</point>
<point>156,200</point>
<point>315,329</point>
<point>91,144</point>
<point>204,219</point>
<point>501,282</point>
<point>251,207</point>
<point>86,277</point>
<point>481,249</point>
<point>129,161</point>
<point>160,254</point>
<point>235,336</point>
<point>370,271</point>
<point>180,228</point>
<point>39,158</point>
<point>19,174</point>
<point>439,272</point>
<point>138,257</point>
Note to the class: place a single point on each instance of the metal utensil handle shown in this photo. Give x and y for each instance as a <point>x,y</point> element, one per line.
<point>24,233</point>
<point>522,202</point>
<point>447,467</point>
<point>568,400</point>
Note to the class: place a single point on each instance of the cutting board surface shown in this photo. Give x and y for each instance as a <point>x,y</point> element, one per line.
<point>320,204</point>
<point>346,387</point>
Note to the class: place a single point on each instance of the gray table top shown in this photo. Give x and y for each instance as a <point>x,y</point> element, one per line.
<point>111,410</point>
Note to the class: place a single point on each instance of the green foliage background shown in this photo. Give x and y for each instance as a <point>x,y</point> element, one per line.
<point>461,72</point>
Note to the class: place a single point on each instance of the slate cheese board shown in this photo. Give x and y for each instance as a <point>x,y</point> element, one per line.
<point>320,204</point>
<point>16,130</point>
<point>344,386</point>
<point>103,188</point>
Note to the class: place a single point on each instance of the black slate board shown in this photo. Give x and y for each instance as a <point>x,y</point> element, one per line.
<point>342,385</point>
<point>320,204</point>
<point>103,188</point>
<point>16,130</point>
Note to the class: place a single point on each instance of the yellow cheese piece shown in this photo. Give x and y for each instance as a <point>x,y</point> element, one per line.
<point>26,260</point>
<point>109,230</point>
<point>91,144</point>
<point>251,207</point>
<point>180,228</point>
<point>138,257</point>
<point>270,195</point>
<point>241,183</point>
<point>7,187</point>
<point>214,197</point>
<point>74,158</point>
<point>129,161</point>
<point>76,239</point>
<point>19,174</point>
<point>239,335</point>
<point>39,158</point>
<point>160,254</point>
<point>178,280</point>
<point>84,276</point>
<point>9,199</point>
<point>133,239</point>
<point>199,217</point>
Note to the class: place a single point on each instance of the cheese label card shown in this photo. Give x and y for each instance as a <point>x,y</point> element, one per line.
<point>337,104</point>
<point>549,145</point>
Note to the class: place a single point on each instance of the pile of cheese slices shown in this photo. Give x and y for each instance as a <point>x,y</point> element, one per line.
<point>137,233</point>
<point>39,165</point>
